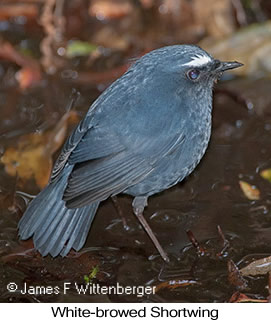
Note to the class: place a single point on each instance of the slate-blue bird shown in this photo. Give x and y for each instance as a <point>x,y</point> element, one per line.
<point>144,134</point>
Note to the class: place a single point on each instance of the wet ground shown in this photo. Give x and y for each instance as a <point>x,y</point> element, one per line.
<point>211,196</point>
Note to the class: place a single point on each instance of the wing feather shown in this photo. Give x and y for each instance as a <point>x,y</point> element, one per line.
<point>96,143</point>
<point>97,180</point>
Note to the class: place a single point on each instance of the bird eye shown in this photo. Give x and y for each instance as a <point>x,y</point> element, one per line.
<point>193,74</point>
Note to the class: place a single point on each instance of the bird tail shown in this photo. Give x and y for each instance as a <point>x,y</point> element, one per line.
<point>55,228</point>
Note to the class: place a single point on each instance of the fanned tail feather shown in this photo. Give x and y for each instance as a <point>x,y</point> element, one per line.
<point>55,228</point>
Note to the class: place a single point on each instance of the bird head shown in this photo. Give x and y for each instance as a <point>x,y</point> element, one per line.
<point>188,67</point>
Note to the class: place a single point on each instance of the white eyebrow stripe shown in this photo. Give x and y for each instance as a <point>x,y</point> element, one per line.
<point>198,60</point>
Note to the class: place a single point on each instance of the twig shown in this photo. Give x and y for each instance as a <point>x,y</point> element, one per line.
<point>240,12</point>
<point>30,72</point>
<point>226,243</point>
<point>53,23</point>
<point>191,237</point>
<point>59,20</point>
<point>269,288</point>
<point>119,211</point>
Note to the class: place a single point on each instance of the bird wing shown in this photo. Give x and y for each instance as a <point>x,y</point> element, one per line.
<point>69,146</point>
<point>97,179</point>
<point>80,135</point>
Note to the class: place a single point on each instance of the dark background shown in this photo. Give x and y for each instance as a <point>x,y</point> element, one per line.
<point>49,47</point>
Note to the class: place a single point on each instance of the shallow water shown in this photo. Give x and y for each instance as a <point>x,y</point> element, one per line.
<point>211,196</point>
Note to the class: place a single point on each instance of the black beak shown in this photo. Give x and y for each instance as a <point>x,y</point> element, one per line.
<point>220,67</point>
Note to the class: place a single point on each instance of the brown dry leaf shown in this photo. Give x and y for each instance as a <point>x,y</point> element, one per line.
<point>8,11</point>
<point>147,3</point>
<point>250,191</point>
<point>266,174</point>
<point>242,298</point>
<point>108,9</point>
<point>234,276</point>
<point>172,284</point>
<point>258,267</point>
<point>28,76</point>
<point>32,158</point>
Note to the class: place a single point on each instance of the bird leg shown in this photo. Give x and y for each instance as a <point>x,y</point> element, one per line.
<point>120,213</point>
<point>139,204</point>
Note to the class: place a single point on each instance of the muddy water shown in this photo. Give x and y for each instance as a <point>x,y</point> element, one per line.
<point>239,150</point>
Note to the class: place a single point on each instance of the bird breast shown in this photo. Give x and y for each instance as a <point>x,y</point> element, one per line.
<point>175,166</point>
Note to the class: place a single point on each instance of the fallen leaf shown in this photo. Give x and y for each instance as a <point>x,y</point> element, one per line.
<point>172,284</point>
<point>266,174</point>
<point>242,298</point>
<point>250,191</point>
<point>32,158</point>
<point>234,276</point>
<point>28,76</point>
<point>79,48</point>
<point>258,267</point>
<point>8,11</point>
<point>108,9</point>
<point>147,3</point>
